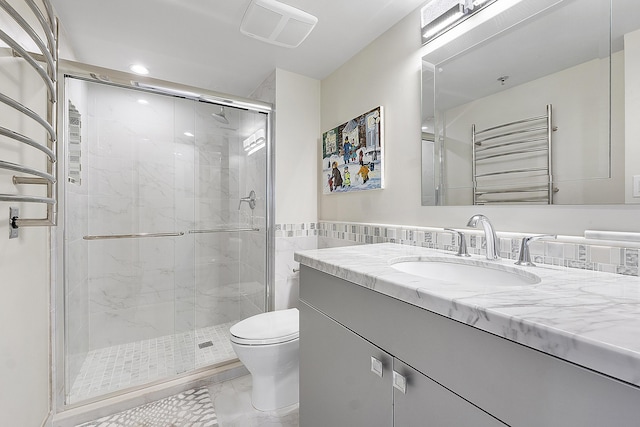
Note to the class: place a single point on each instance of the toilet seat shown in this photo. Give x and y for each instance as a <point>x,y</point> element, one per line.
<point>273,327</point>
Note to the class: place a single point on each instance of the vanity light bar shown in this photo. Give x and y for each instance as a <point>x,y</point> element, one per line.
<point>443,22</point>
<point>438,16</point>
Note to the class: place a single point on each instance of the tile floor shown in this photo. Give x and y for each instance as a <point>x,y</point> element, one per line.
<point>232,403</point>
<point>113,368</point>
<point>190,408</point>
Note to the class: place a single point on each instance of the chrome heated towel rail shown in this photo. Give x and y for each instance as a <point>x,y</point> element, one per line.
<point>45,64</point>
<point>512,162</point>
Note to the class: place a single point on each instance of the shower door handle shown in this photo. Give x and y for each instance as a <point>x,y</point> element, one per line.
<point>133,236</point>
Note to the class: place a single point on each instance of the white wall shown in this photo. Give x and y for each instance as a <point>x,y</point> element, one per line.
<point>24,265</point>
<point>387,73</point>
<point>296,100</point>
<point>297,130</point>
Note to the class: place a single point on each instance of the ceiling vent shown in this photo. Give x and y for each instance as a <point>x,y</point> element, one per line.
<point>277,23</point>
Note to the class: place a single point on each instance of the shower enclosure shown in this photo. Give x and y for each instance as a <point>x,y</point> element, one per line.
<point>166,231</point>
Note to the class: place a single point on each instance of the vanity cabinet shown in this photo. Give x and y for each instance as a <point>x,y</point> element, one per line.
<point>456,375</point>
<point>336,379</point>
<point>427,403</point>
<point>361,385</point>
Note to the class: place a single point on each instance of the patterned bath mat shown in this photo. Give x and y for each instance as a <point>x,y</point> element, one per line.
<point>192,408</point>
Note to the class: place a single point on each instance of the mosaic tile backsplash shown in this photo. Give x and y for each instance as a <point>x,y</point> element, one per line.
<point>575,254</point>
<point>297,230</point>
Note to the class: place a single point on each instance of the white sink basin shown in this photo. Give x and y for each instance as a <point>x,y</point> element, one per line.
<point>467,272</point>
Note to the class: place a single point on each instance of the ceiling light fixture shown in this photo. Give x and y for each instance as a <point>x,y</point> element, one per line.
<point>277,23</point>
<point>438,16</point>
<point>139,69</point>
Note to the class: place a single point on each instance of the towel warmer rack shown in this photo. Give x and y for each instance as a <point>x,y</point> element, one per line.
<point>45,64</point>
<point>512,162</point>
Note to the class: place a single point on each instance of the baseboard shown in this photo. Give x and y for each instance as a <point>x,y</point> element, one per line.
<point>48,422</point>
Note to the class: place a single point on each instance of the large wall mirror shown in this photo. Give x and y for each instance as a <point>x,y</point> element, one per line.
<point>534,102</point>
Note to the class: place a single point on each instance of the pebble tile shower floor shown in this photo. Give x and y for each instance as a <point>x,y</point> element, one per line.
<point>113,368</point>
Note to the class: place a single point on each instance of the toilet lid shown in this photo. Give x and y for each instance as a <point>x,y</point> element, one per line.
<point>267,328</point>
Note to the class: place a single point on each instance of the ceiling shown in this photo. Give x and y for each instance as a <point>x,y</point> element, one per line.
<point>198,42</point>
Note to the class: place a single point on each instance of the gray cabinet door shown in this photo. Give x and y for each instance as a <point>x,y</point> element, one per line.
<point>337,386</point>
<point>428,404</point>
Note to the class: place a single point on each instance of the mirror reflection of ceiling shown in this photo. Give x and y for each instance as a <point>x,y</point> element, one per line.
<point>578,55</point>
<point>529,51</point>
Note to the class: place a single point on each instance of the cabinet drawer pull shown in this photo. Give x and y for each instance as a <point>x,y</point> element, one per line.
<point>376,366</point>
<point>399,382</point>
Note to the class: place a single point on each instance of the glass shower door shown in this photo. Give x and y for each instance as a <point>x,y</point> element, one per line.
<point>123,226</point>
<point>164,247</point>
<point>229,230</point>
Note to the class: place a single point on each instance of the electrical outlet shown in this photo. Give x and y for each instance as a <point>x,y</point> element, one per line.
<point>636,185</point>
<point>13,214</point>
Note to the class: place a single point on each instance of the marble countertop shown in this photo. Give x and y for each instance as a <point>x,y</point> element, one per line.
<point>586,317</point>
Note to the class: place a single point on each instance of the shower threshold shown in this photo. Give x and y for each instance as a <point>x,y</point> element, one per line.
<point>109,369</point>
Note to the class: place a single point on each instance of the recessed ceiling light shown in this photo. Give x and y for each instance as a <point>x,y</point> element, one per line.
<point>139,69</point>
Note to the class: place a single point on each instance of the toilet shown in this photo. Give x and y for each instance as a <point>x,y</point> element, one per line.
<point>267,344</point>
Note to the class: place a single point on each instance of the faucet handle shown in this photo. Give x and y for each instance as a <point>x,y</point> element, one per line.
<point>250,199</point>
<point>524,258</point>
<point>462,247</point>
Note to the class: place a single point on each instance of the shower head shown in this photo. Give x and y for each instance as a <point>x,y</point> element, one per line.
<point>220,116</point>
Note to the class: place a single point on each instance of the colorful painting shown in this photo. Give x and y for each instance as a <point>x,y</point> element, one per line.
<point>352,157</point>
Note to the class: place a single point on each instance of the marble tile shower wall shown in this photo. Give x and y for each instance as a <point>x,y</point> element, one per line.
<point>77,328</point>
<point>138,182</point>
<point>76,255</point>
<point>574,254</point>
<point>141,179</point>
<point>253,249</point>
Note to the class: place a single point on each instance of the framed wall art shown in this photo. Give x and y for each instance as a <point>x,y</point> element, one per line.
<point>352,155</point>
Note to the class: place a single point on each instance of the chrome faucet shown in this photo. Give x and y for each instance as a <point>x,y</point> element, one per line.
<point>462,247</point>
<point>489,234</point>
<point>525,256</point>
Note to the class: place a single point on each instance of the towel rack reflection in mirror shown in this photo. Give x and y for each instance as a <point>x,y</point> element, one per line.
<point>512,162</point>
